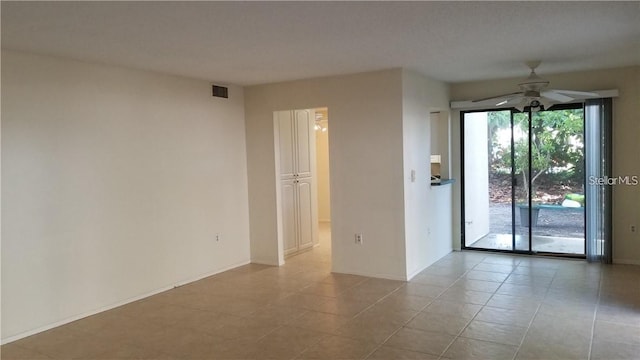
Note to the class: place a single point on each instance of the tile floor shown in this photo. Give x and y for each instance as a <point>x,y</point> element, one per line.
<point>469,305</point>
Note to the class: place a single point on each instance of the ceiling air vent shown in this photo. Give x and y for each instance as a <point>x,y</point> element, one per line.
<point>220,91</point>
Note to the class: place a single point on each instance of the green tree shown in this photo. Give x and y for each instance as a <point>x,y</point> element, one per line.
<point>556,145</point>
<point>497,121</point>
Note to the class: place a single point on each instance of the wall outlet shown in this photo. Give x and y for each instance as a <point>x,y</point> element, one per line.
<point>217,237</point>
<point>358,238</point>
<point>633,228</point>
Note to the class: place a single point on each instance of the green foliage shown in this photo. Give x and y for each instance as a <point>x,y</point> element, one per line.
<point>499,154</point>
<point>497,120</point>
<point>557,145</point>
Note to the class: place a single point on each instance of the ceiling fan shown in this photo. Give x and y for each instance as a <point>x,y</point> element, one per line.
<point>533,93</point>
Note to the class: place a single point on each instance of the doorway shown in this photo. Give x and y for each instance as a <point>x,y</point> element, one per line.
<point>321,129</point>
<point>302,167</point>
<point>524,180</point>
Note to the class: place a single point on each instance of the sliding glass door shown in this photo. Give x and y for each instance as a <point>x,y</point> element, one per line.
<point>524,181</point>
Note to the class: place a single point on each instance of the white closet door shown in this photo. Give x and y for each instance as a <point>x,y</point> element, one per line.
<point>286,132</point>
<point>297,147</point>
<point>289,210</point>
<point>305,142</point>
<point>306,210</point>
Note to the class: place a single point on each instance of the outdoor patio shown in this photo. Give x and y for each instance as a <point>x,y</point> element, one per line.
<point>556,232</point>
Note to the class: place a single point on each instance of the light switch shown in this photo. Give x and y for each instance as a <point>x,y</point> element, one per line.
<point>413,175</point>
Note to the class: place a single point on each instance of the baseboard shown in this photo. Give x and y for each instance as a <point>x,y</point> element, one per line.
<point>262,261</point>
<point>626,262</point>
<point>412,274</point>
<point>118,304</point>
<point>359,273</point>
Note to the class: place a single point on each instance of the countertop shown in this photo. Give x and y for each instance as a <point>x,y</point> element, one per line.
<point>443,182</point>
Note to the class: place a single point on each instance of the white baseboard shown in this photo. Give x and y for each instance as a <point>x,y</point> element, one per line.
<point>626,262</point>
<point>415,272</point>
<point>117,304</point>
<point>263,261</point>
<point>359,273</point>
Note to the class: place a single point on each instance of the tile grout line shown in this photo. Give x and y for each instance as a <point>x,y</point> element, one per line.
<point>595,314</point>
<point>320,338</point>
<point>358,313</point>
<point>535,314</point>
<point>528,326</point>
<point>473,318</point>
<point>457,336</point>
<point>482,306</point>
<point>378,346</point>
<point>414,316</point>
<point>527,332</point>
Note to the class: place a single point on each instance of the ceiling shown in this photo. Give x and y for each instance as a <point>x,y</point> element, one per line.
<point>249,43</point>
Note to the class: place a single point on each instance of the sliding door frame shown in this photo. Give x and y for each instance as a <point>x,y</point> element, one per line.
<point>463,245</point>
<point>514,249</point>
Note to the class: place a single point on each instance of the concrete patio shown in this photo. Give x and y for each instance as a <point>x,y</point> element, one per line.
<point>556,232</point>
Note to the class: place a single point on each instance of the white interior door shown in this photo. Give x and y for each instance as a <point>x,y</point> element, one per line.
<point>286,132</point>
<point>297,157</point>
<point>305,143</point>
<point>306,210</point>
<point>289,209</point>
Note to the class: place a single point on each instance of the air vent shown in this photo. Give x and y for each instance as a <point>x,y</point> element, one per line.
<point>220,91</point>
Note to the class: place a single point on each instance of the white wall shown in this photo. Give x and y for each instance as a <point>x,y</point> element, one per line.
<point>420,96</point>
<point>365,147</point>
<point>626,128</point>
<point>440,140</point>
<point>441,220</point>
<point>114,184</point>
<point>476,177</point>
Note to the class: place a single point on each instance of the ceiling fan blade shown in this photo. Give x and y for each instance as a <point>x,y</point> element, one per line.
<point>510,101</point>
<point>575,94</point>
<point>499,97</point>
<point>546,104</point>
<point>521,105</point>
<point>556,96</point>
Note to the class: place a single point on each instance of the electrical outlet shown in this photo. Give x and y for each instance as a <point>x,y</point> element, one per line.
<point>217,237</point>
<point>633,228</point>
<point>359,238</point>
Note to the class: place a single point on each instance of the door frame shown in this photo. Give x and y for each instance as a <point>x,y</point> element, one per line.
<point>279,200</point>
<point>514,249</point>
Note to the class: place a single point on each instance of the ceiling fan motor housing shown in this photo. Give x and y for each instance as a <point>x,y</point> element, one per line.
<point>533,83</point>
<point>532,93</point>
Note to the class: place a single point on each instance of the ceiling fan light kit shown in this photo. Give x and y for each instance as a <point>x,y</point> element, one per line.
<point>533,94</point>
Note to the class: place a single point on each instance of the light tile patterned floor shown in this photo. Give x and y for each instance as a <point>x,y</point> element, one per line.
<point>469,305</point>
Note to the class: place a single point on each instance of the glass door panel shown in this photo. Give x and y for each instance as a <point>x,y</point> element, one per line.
<point>557,181</point>
<point>522,213</point>
<point>488,215</point>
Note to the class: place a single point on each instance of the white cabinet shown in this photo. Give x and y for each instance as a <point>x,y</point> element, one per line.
<point>298,179</point>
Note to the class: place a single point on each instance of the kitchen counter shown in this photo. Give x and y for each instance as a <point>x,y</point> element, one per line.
<point>443,182</point>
